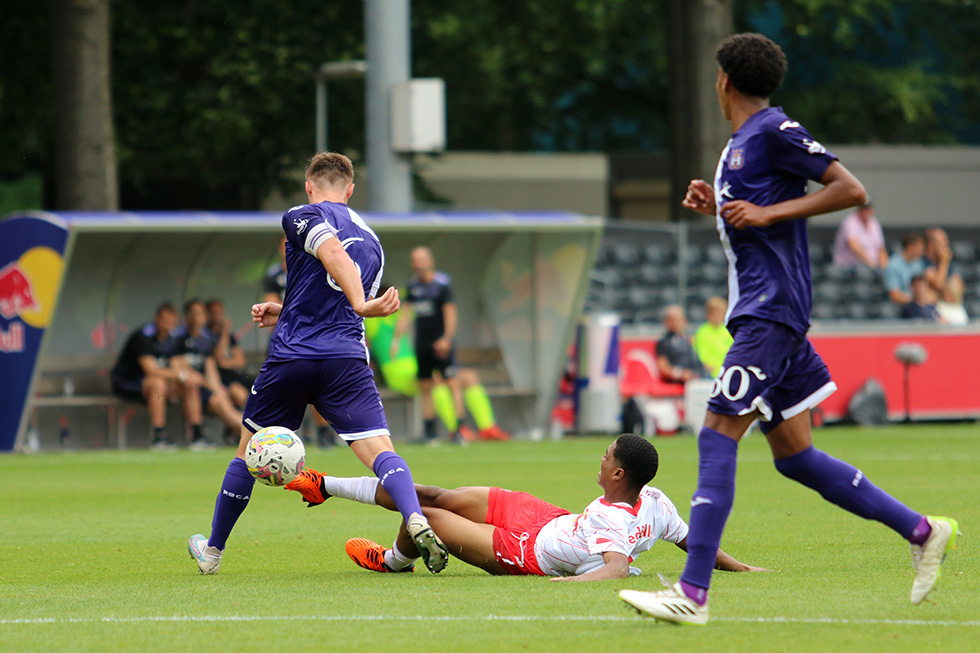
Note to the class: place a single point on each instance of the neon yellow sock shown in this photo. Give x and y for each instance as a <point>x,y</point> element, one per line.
<point>442,399</point>
<point>479,406</point>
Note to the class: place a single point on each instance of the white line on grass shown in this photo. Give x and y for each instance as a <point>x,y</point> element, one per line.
<point>490,617</point>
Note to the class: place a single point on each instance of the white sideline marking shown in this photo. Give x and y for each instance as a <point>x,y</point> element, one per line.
<point>489,617</point>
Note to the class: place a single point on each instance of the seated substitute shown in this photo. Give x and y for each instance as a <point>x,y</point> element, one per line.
<point>514,533</point>
<point>150,369</point>
<point>196,344</point>
<point>228,354</point>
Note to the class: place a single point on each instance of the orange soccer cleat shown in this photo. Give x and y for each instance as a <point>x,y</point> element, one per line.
<point>466,433</point>
<point>309,483</point>
<point>494,433</point>
<point>371,555</point>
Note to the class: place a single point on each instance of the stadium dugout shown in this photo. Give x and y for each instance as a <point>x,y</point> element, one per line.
<point>73,285</point>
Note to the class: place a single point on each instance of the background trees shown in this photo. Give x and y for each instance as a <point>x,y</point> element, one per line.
<point>213,101</point>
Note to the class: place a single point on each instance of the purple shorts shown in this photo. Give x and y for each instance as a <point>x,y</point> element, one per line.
<point>770,368</point>
<point>342,390</point>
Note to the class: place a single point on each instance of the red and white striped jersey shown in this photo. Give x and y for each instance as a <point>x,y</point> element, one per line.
<point>571,545</point>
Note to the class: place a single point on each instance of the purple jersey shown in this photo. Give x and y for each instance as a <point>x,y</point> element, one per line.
<point>767,161</point>
<point>317,320</point>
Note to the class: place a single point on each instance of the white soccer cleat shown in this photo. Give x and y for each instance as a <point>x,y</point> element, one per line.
<point>434,553</point>
<point>927,558</point>
<point>208,557</point>
<point>671,604</point>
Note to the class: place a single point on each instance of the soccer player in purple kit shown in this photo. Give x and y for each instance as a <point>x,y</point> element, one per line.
<point>772,372</point>
<point>318,355</point>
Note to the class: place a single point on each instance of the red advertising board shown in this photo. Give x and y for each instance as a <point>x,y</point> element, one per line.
<point>944,386</point>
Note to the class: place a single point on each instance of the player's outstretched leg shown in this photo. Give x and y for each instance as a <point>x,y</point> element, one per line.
<point>236,489</point>
<point>371,555</point>
<point>309,483</point>
<point>928,556</point>
<point>846,486</point>
<point>396,479</point>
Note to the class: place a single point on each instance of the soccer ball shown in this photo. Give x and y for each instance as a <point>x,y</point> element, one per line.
<point>275,455</point>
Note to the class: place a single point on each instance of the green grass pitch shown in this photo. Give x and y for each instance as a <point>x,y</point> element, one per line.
<point>94,551</point>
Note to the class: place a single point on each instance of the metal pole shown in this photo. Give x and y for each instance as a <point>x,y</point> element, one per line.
<point>386,27</point>
<point>321,114</point>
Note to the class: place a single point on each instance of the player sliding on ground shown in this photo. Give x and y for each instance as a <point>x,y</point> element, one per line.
<point>317,355</point>
<point>505,532</point>
<point>771,372</point>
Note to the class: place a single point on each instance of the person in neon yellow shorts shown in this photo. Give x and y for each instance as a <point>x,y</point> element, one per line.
<point>400,374</point>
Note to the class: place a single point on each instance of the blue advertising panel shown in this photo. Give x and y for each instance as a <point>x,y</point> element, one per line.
<point>31,251</point>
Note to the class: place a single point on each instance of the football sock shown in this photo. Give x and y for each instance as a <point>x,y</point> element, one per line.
<point>158,433</point>
<point>196,431</point>
<point>235,491</point>
<point>846,486</point>
<point>921,532</point>
<point>396,560</point>
<point>429,428</point>
<point>442,399</point>
<point>710,506</point>
<point>361,489</point>
<point>479,406</point>
<point>396,479</point>
<point>697,594</point>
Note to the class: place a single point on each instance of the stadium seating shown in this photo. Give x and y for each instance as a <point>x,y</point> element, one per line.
<point>637,274</point>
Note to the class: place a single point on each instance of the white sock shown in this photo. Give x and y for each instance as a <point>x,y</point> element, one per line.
<point>396,560</point>
<point>361,489</point>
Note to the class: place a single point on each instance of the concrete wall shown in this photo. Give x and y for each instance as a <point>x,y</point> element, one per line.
<point>916,186</point>
<point>912,186</point>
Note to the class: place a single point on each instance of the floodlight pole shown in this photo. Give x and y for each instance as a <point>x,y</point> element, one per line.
<point>325,73</point>
<point>386,35</point>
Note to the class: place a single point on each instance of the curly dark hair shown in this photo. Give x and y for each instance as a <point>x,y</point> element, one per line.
<point>754,64</point>
<point>638,458</point>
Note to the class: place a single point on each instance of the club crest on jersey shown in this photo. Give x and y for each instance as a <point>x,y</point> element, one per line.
<point>737,159</point>
<point>300,224</point>
<point>813,147</point>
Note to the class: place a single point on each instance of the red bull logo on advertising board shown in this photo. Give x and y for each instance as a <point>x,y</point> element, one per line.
<point>16,294</point>
<point>27,293</point>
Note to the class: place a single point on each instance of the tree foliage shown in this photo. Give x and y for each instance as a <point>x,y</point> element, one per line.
<point>885,71</point>
<point>547,74</point>
<point>214,101</point>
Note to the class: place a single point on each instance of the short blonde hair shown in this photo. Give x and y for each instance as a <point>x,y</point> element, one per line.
<point>334,169</point>
<point>715,302</point>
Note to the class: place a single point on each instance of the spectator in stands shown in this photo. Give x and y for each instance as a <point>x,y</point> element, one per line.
<point>675,356</point>
<point>860,240</point>
<point>712,339</point>
<point>274,290</point>
<point>902,266</point>
<point>938,262</point>
<point>923,303</point>
<point>150,369</point>
<point>196,345</point>
<point>950,304</point>
<point>228,355</point>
